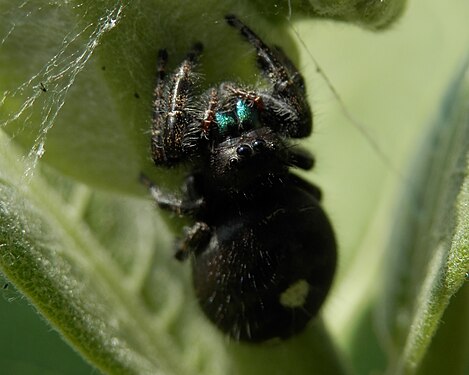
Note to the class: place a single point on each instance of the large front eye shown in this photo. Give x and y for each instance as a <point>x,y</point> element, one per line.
<point>244,151</point>
<point>259,145</point>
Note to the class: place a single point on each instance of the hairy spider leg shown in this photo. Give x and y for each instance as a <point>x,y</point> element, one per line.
<point>171,110</point>
<point>195,236</point>
<point>300,158</point>
<point>171,202</point>
<point>209,114</point>
<point>286,108</point>
<point>194,241</point>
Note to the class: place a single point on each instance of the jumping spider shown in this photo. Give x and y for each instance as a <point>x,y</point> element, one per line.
<point>262,249</point>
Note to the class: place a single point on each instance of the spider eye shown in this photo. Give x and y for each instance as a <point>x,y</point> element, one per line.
<point>259,145</point>
<point>244,151</point>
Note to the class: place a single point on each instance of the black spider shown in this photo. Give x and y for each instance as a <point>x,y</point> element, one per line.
<point>263,251</point>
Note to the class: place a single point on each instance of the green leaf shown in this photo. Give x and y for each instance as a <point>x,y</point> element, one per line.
<point>50,255</point>
<point>368,13</point>
<point>119,305</point>
<point>430,248</point>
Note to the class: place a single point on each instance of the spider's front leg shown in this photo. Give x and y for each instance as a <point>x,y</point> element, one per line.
<point>195,236</point>
<point>189,205</point>
<point>286,109</point>
<point>173,120</point>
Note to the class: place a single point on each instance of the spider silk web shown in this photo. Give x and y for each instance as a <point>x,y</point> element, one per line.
<point>20,100</point>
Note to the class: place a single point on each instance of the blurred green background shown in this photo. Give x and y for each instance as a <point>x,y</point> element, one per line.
<point>28,345</point>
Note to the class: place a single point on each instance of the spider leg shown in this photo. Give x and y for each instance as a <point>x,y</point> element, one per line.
<point>172,115</point>
<point>173,203</point>
<point>195,239</point>
<point>195,236</point>
<point>301,158</point>
<point>286,109</point>
<point>208,117</point>
<point>306,186</point>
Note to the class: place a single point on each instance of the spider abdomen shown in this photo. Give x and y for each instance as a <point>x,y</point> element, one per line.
<point>265,272</point>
